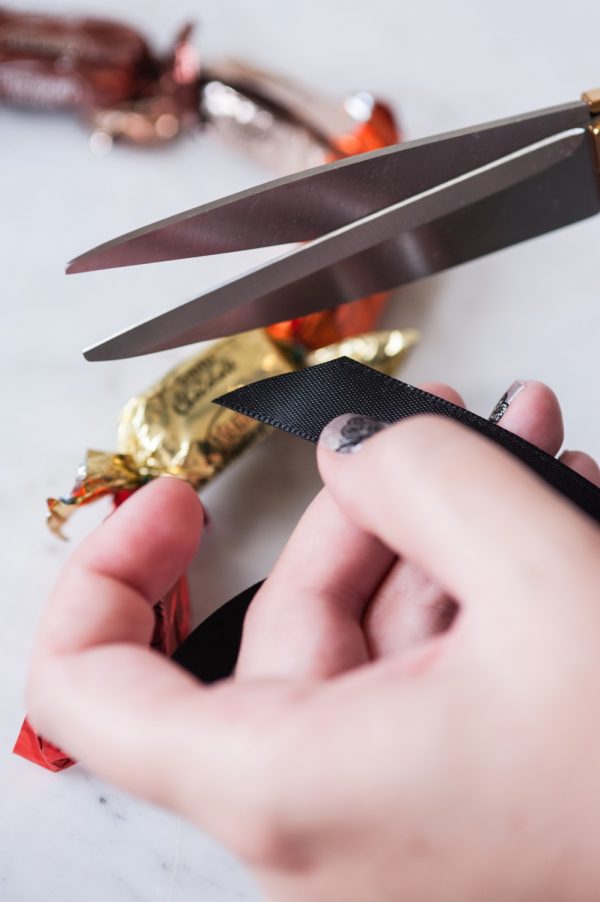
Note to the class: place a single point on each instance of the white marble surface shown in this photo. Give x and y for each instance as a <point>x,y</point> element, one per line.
<point>528,312</point>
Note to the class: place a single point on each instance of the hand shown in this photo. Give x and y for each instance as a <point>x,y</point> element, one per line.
<point>414,714</point>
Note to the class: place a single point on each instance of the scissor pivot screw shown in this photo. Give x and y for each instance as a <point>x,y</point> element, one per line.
<point>592,98</point>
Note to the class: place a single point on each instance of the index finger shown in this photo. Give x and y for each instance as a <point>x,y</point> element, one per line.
<point>106,591</point>
<point>476,520</point>
<point>98,691</point>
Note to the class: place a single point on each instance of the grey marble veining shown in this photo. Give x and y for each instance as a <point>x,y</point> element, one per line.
<point>528,312</point>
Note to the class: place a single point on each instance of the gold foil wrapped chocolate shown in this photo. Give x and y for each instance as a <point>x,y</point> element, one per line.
<point>283,124</point>
<point>381,350</point>
<point>126,91</point>
<point>68,62</point>
<point>174,429</point>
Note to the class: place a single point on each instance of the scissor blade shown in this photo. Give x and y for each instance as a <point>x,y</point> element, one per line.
<point>532,193</point>
<point>309,204</point>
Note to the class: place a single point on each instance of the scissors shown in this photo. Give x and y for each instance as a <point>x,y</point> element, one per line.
<point>368,223</point>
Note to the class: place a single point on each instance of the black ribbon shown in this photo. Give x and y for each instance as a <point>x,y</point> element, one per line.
<point>211,650</point>
<point>302,403</point>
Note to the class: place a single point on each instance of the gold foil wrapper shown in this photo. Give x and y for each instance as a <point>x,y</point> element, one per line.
<point>102,474</point>
<point>381,350</point>
<point>174,429</point>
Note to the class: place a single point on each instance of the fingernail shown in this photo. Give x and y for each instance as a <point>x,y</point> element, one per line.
<point>347,434</point>
<point>505,401</point>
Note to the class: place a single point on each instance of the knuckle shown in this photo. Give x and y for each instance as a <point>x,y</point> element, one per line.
<point>260,815</point>
<point>259,823</point>
<point>271,835</point>
<point>267,841</point>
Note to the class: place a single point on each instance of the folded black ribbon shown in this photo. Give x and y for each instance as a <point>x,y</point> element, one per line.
<point>302,403</point>
<point>211,650</point>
